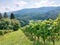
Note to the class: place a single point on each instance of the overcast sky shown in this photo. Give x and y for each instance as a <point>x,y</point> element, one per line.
<point>13,5</point>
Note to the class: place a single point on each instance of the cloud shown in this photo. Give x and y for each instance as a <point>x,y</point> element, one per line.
<point>6,9</point>
<point>14,5</point>
<point>45,3</point>
<point>2,9</point>
<point>21,4</point>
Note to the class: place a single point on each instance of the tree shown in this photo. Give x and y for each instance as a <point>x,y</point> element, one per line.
<point>58,27</point>
<point>12,16</point>
<point>5,15</point>
<point>45,32</point>
<point>15,24</point>
<point>8,24</point>
<point>47,29</point>
<point>4,24</point>
<point>0,16</point>
<point>53,30</point>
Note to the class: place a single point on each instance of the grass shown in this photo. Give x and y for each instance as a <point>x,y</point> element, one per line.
<point>18,38</point>
<point>15,38</point>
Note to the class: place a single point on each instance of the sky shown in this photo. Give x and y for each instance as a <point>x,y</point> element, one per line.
<point>13,5</point>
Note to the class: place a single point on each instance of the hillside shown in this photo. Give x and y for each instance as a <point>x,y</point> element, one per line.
<point>15,38</point>
<point>38,13</point>
<point>41,13</point>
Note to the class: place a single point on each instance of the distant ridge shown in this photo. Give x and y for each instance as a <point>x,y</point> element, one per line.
<point>38,13</point>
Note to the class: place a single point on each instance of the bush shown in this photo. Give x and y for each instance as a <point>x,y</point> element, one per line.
<point>7,31</point>
<point>2,32</point>
<point>9,24</point>
<point>15,24</point>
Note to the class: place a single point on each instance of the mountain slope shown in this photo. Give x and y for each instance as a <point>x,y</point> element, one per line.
<point>42,13</point>
<point>38,13</point>
<point>15,38</point>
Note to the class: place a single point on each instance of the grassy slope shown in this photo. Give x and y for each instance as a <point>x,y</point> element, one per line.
<point>15,38</point>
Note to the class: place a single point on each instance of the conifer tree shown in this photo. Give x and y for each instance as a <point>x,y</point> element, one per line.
<point>5,15</point>
<point>12,16</point>
<point>0,16</point>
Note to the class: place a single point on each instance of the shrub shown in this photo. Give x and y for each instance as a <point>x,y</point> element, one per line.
<point>2,32</point>
<point>7,31</point>
<point>15,24</point>
<point>9,24</point>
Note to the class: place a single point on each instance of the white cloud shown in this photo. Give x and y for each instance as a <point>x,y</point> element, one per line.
<point>6,9</point>
<point>2,9</point>
<point>44,3</point>
<point>21,3</point>
<point>18,5</point>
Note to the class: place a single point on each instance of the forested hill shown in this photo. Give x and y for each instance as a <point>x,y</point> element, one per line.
<point>38,13</point>
<point>42,13</point>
